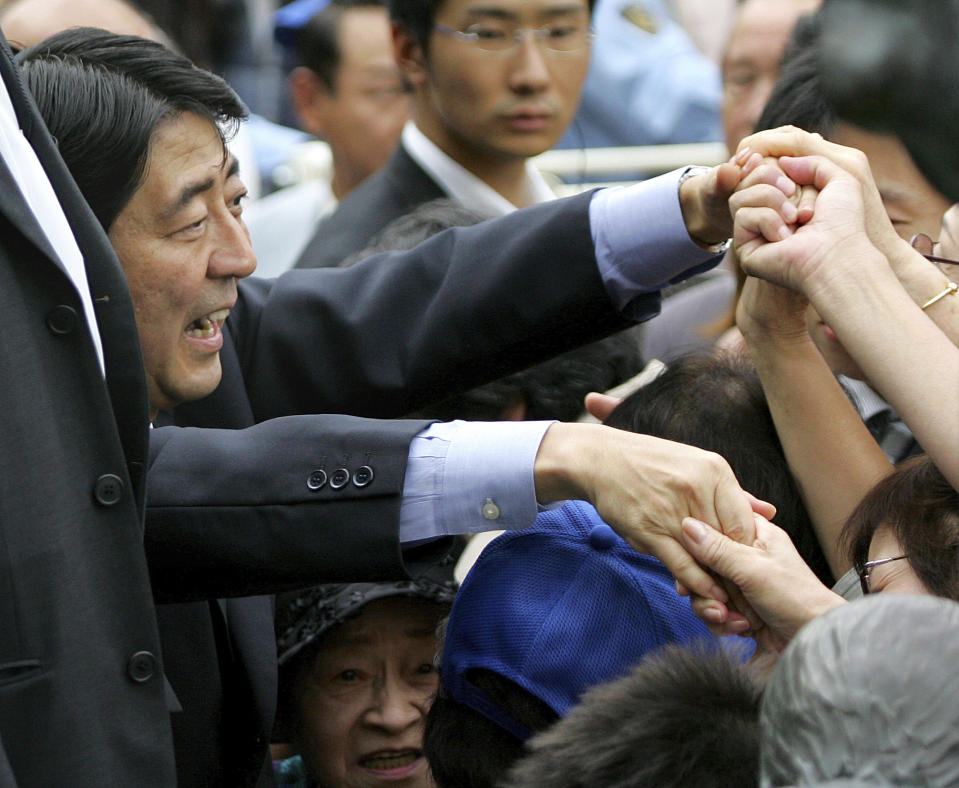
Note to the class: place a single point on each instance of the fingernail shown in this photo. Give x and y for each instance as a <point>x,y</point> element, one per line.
<point>783,233</point>
<point>740,158</point>
<point>713,615</point>
<point>785,185</point>
<point>717,593</point>
<point>789,212</point>
<point>737,627</point>
<point>694,529</point>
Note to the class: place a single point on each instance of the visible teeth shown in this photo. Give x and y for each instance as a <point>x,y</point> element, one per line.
<point>387,762</point>
<point>206,326</point>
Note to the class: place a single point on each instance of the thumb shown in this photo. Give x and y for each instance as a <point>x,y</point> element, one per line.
<point>709,547</point>
<point>599,406</point>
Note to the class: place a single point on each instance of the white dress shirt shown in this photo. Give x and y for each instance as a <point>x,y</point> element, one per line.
<point>36,189</point>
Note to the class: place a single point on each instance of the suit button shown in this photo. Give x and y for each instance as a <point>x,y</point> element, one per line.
<point>108,489</point>
<point>339,478</point>
<point>62,320</point>
<point>316,480</point>
<point>363,476</point>
<point>142,666</point>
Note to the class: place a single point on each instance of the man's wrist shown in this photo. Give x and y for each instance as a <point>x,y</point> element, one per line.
<point>698,226</point>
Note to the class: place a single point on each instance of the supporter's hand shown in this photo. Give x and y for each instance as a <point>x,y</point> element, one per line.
<point>599,406</point>
<point>644,487</point>
<point>767,184</point>
<point>831,248</point>
<point>772,576</point>
<point>768,313</point>
<point>792,141</point>
<point>704,200</point>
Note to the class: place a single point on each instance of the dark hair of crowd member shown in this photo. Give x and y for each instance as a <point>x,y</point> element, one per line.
<point>317,42</point>
<point>683,718</point>
<point>466,749</point>
<point>922,510</point>
<point>103,96</point>
<point>716,402</point>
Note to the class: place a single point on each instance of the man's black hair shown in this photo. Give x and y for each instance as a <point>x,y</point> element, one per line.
<point>716,402</point>
<point>418,16</point>
<point>466,749</point>
<point>317,42</point>
<point>682,719</point>
<point>103,96</point>
<point>797,98</point>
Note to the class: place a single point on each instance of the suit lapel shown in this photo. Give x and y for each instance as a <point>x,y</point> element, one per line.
<point>111,297</point>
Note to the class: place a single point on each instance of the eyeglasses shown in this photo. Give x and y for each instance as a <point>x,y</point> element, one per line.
<point>560,39</point>
<point>864,570</point>
<point>923,244</point>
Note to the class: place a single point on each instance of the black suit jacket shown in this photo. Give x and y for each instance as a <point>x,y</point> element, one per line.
<point>81,692</point>
<point>393,191</point>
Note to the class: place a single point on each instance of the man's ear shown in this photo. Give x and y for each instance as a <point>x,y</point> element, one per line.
<point>409,55</point>
<point>311,98</point>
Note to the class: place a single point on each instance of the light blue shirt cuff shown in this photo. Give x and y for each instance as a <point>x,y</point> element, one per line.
<point>466,477</point>
<point>641,239</point>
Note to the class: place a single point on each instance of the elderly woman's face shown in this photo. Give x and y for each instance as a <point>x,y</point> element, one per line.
<point>362,704</point>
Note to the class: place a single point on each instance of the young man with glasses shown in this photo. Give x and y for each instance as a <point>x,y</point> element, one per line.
<point>494,83</point>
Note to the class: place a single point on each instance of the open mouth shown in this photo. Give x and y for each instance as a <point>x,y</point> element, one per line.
<point>390,761</point>
<point>208,325</point>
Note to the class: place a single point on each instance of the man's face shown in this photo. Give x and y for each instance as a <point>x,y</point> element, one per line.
<point>912,203</point>
<point>361,705</point>
<point>751,61</point>
<point>183,245</point>
<point>484,107</point>
<point>361,118</point>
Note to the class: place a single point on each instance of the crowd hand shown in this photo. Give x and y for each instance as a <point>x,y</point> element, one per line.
<point>768,313</point>
<point>831,245</point>
<point>766,183</point>
<point>795,142</point>
<point>644,487</point>
<point>771,575</point>
<point>704,201</point>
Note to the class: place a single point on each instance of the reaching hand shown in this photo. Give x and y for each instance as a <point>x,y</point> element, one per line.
<point>644,487</point>
<point>772,576</point>
<point>807,256</point>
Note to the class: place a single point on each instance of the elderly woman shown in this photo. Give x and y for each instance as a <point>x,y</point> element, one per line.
<point>357,677</point>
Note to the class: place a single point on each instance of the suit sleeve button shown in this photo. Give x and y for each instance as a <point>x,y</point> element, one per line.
<point>362,476</point>
<point>108,489</point>
<point>339,478</point>
<point>62,320</point>
<point>316,480</point>
<point>142,666</point>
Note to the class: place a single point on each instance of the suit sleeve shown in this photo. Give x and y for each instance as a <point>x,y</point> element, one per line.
<point>287,503</point>
<point>404,329</point>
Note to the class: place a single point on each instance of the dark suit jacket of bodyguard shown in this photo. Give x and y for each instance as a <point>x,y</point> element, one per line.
<point>81,692</point>
<point>393,191</point>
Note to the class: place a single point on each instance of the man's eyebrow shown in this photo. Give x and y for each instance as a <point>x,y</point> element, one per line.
<point>191,190</point>
<point>501,13</point>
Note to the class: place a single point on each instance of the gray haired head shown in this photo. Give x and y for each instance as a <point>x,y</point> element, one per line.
<point>867,693</point>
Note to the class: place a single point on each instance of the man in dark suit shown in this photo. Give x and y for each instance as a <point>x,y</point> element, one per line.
<point>491,88</point>
<point>81,691</point>
<point>236,512</point>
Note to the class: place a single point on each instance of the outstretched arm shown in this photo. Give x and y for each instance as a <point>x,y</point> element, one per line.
<point>832,261</point>
<point>830,452</point>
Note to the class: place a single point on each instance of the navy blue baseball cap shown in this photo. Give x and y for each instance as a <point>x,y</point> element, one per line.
<point>558,608</point>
